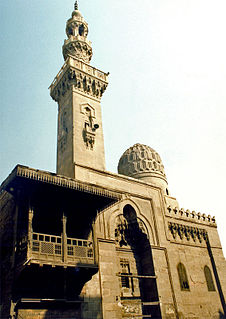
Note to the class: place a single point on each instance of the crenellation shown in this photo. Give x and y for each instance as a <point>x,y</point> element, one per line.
<point>190,215</point>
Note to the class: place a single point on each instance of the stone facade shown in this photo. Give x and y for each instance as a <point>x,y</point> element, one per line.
<point>85,243</point>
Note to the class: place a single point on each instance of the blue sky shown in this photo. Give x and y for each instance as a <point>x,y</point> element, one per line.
<point>166,87</point>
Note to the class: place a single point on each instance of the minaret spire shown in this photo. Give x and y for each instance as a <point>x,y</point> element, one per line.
<point>76,5</point>
<point>77,44</point>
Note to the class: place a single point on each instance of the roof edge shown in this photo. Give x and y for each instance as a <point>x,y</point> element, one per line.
<point>59,180</point>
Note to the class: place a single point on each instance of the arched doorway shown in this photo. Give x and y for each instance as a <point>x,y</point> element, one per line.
<point>137,275</point>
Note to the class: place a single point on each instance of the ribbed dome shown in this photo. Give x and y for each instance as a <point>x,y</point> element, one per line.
<point>142,162</point>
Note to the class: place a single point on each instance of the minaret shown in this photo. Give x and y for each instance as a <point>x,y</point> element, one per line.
<point>78,88</point>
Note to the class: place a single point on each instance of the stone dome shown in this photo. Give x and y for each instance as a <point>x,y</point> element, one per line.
<point>143,162</point>
<point>77,13</point>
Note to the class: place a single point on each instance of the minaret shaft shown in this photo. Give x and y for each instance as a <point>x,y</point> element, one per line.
<point>78,89</point>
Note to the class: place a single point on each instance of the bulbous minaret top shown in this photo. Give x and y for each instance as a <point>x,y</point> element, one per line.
<point>77,44</point>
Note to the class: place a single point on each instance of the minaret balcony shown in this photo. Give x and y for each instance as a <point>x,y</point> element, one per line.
<point>74,71</point>
<point>77,38</point>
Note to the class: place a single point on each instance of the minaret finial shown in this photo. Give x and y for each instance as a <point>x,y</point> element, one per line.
<point>76,5</point>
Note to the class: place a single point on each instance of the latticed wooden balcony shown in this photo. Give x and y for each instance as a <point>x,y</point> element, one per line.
<point>57,250</point>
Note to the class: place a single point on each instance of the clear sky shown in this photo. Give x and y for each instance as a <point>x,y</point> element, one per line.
<point>167,67</point>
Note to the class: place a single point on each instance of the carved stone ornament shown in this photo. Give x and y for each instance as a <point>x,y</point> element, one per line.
<point>132,308</point>
<point>89,138</point>
<point>89,131</point>
<point>129,233</point>
<point>80,50</point>
<point>81,81</point>
<point>187,232</point>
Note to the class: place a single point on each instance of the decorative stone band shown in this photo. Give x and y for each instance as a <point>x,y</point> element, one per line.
<point>82,76</point>
<point>188,232</point>
<point>193,216</point>
<point>51,178</point>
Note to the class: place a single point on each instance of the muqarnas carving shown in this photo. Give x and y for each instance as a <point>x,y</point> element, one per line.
<point>187,232</point>
<point>129,231</point>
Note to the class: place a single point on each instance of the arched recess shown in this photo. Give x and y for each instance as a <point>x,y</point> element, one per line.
<point>129,228</point>
<point>136,265</point>
<point>209,279</point>
<point>183,279</point>
<point>117,215</point>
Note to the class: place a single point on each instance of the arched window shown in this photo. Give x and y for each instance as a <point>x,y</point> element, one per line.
<point>209,279</point>
<point>70,31</point>
<point>184,285</point>
<point>81,29</point>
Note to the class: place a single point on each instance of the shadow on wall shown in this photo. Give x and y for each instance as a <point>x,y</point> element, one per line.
<point>216,276</point>
<point>55,293</point>
<point>138,241</point>
<point>51,283</point>
<point>77,309</point>
<point>221,315</point>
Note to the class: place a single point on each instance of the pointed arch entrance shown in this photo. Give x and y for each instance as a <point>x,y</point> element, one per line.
<point>139,294</point>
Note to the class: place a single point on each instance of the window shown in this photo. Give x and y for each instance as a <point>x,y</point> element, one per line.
<point>184,285</point>
<point>70,250</point>
<point>209,279</point>
<point>58,249</point>
<point>124,280</point>
<point>125,271</point>
<point>35,246</point>
<point>81,29</point>
<point>90,253</point>
<point>70,31</point>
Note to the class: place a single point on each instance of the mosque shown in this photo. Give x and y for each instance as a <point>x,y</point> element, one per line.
<point>85,243</point>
